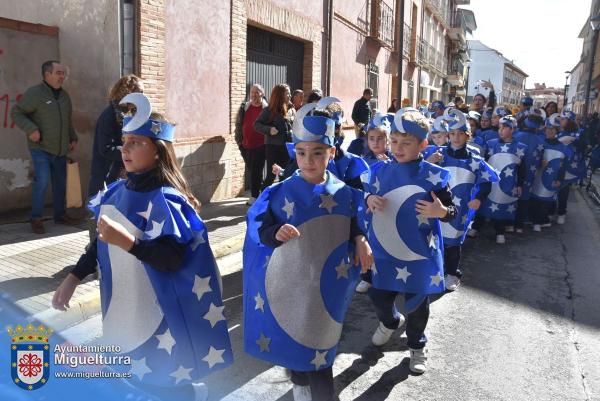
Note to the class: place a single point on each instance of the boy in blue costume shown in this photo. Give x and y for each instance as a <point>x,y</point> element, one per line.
<point>407,197</point>
<point>302,248</point>
<point>160,286</point>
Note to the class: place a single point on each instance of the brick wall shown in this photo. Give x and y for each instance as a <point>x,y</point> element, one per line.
<point>151,52</point>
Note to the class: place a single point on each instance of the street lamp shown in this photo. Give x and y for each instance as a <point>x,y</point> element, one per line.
<point>595,24</point>
<point>566,88</point>
<point>468,63</point>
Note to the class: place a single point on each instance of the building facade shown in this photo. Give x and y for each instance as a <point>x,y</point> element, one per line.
<point>489,64</point>
<point>199,58</point>
<point>542,94</point>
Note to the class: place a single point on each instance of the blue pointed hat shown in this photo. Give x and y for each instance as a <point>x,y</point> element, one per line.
<point>309,128</point>
<point>381,121</point>
<point>440,124</point>
<point>411,126</point>
<point>456,120</point>
<point>141,123</point>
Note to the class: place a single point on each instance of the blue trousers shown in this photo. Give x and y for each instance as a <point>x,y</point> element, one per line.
<point>48,169</point>
<point>384,302</point>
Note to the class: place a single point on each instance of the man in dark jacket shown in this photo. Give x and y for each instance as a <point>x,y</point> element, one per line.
<point>44,114</point>
<point>361,112</point>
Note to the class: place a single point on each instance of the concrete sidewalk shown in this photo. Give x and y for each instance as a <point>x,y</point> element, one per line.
<point>32,266</point>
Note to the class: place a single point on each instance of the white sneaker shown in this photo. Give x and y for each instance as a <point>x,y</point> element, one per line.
<point>301,393</point>
<point>363,287</point>
<point>546,225</point>
<point>519,230</point>
<point>452,282</point>
<point>509,229</point>
<point>417,361</point>
<point>382,334</point>
<point>561,219</point>
<point>200,391</point>
<point>279,375</point>
<point>500,239</point>
<point>251,201</point>
<point>537,228</point>
<point>472,233</point>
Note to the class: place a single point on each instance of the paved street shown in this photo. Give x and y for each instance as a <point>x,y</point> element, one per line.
<point>525,325</point>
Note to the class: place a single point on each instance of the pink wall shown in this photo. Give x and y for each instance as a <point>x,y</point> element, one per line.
<point>197,67</point>
<point>310,9</point>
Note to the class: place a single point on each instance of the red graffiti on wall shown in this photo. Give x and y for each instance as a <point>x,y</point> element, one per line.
<point>7,106</point>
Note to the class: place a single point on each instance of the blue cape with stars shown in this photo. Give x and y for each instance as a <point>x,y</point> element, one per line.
<point>533,157</point>
<point>576,168</point>
<point>170,323</point>
<point>505,158</point>
<point>466,175</point>
<point>407,248</point>
<point>556,158</point>
<point>296,295</point>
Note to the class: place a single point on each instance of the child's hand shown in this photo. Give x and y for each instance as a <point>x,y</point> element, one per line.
<point>382,157</point>
<point>286,232</point>
<point>64,292</point>
<point>474,204</point>
<point>376,202</point>
<point>435,157</point>
<point>276,169</point>
<point>114,233</point>
<point>519,192</point>
<point>363,253</point>
<point>433,209</point>
<point>556,184</point>
<point>273,131</point>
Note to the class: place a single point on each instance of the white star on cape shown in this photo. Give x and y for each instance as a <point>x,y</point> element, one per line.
<point>181,374</point>
<point>474,165</point>
<point>139,368</point>
<point>288,208</point>
<point>319,359</point>
<point>260,303</point>
<point>509,172</point>
<point>540,147</point>
<point>549,170</point>
<point>432,240</point>
<point>214,356</point>
<point>342,269</point>
<point>434,178</point>
<point>402,274</point>
<point>486,176</point>
<point>165,341</point>
<point>327,202</point>
<point>437,279</point>
<point>457,201</point>
<point>520,152</point>
<point>198,240</point>
<point>532,169</point>
<point>494,207</point>
<point>146,214</point>
<point>504,148</point>
<point>214,314</point>
<point>574,165</point>
<point>422,220</point>
<point>263,342</point>
<point>156,229</point>
<point>511,209</point>
<point>201,286</point>
<point>464,219</point>
<point>377,184</point>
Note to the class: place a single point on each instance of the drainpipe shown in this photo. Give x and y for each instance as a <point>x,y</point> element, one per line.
<point>329,44</point>
<point>401,51</point>
<point>417,45</point>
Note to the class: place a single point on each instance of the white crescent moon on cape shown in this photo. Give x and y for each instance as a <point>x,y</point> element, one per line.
<point>384,223</point>
<point>458,175</point>
<point>538,186</point>
<point>142,113</point>
<point>133,314</point>
<point>298,129</point>
<point>499,161</point>
<point>293,282</point>
<point>448,231</point>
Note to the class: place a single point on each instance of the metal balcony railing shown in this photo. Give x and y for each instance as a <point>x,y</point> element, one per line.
<point>421,50</point>
<point>382,22</point>
<point>442,10</point>
<point>407,42</point>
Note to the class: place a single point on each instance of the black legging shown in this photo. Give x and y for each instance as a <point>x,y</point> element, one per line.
<point>256,166</point>
<point>275,154</point>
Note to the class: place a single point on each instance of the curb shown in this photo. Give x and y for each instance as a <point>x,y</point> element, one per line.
<point>87,306</point>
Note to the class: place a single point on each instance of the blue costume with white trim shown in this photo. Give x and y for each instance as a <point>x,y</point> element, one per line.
<point>556,157</point>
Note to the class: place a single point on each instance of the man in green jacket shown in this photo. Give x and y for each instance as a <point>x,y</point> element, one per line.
<point>44,114</point>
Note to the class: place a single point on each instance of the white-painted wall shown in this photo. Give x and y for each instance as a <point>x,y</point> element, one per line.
<point>486,64</point>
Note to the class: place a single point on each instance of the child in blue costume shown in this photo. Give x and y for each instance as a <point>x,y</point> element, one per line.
<point>470,183</point>
<point>378,131</point>
<point>438,137</point>
<point>407,245</point>
<point>569,135</point>
<point>473,119</point>
<point>159,283</point>
<point>506,156</point>
<point>548,179</point>
<point>346,166</point>
<point>528,135</point>
<point>299,272</point>
<point>491,132</point>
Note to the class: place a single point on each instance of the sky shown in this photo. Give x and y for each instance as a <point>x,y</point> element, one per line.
<point>539,36</point>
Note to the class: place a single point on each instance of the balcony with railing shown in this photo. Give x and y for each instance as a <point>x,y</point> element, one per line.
<point>382,23</point>
<point>407,43</point>
<point>456,70</point>
<point>458,29</point>
<point>429,57</point>
<point>440,9</point>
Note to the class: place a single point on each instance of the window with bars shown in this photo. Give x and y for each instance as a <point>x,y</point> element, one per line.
<point>373,82</point>
<point>128,37</point>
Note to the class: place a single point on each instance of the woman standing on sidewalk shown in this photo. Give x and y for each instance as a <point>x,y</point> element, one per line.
<point>275,123</point>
